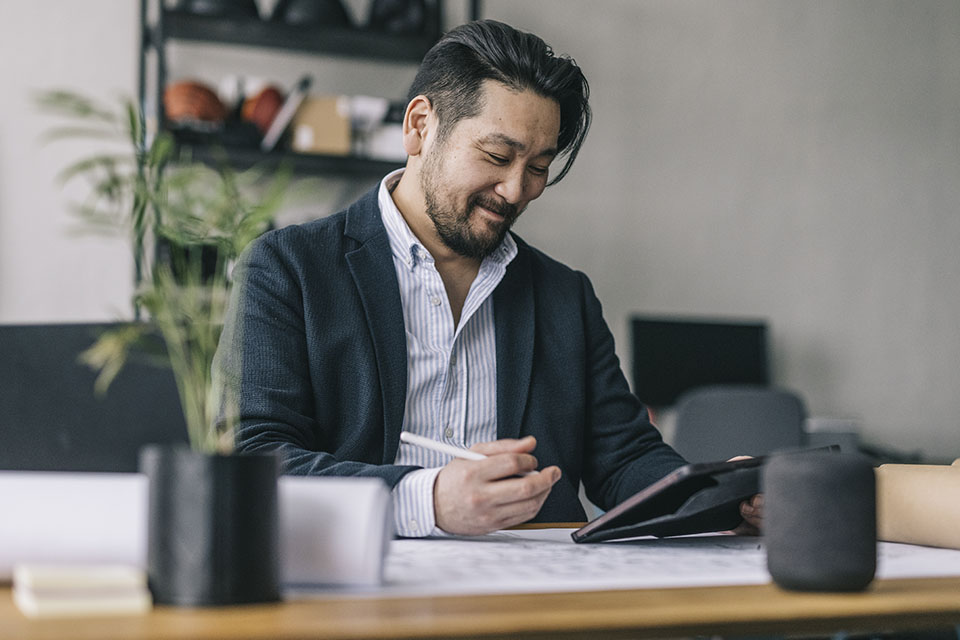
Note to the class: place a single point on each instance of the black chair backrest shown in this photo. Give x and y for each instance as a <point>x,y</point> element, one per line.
<point>719,422</point>
<point>50,418</point>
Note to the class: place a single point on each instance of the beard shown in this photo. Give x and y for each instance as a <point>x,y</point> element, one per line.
<point>453,226</point>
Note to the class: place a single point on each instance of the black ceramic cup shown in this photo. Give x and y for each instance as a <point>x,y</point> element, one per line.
<point>212,530</point>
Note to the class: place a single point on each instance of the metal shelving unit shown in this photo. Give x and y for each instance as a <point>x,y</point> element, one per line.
<point>300,163</point>
<point>354,43</point>
<point>161,25</point>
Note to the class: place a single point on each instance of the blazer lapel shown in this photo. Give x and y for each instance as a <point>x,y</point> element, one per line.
<point>373,272</point>
<point>513,311</point>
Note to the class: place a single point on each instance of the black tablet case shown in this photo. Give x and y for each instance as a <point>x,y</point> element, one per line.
<point>696,498</point>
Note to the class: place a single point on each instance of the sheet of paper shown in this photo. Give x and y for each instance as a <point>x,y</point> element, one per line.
<point>528,561</point>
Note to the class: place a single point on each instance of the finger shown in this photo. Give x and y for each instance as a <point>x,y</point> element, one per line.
<point>506,445</point>
<point>504,465</point>
<point>735,458</point>
<point>506,516</point>
<point>519,511</point>
<point>517,490</point>
<point>752,512</point>
<point>753,507</point>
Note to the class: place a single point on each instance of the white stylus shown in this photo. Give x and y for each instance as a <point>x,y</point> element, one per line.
<point>442,447</point>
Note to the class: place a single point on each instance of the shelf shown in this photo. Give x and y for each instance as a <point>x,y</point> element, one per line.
<point>301,163</point>
<point>356,43</point>
<point>181,26</point>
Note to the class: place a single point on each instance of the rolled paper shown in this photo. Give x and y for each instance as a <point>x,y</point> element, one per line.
<point>919,504</point>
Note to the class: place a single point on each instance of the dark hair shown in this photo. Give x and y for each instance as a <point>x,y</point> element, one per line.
<point>453,71</point>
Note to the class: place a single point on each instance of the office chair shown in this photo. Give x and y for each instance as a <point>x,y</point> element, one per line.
<point>50,418</point>
<point>721,421</point>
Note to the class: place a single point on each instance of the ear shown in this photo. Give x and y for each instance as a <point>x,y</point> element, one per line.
<point>416,122</point>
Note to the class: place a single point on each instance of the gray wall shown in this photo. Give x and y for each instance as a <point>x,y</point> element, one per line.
<point>795,161</point>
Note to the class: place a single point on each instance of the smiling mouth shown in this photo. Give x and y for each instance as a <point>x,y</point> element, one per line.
<point>495,212</point>
<point>488,213</point>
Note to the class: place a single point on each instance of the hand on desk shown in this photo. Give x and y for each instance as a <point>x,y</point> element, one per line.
<point>473,497</point>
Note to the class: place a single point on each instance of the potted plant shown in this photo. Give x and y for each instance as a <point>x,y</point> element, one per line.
<point>212,530</point>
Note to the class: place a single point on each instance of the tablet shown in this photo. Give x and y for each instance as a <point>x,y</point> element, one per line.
<point>696,498</point>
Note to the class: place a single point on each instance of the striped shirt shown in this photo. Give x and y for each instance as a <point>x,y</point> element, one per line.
<point>451,370</point>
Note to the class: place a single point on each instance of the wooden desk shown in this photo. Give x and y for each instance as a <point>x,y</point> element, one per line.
<point>750,610</point>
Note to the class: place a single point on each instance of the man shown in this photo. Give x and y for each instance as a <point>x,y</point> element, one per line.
<point>416,310</point>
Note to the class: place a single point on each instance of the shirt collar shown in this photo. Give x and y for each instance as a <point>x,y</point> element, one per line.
<point>405,245</point>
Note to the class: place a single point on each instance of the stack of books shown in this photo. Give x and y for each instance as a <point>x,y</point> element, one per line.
<point>80,590</point>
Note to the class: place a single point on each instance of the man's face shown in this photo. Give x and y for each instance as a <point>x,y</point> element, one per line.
<point>480,177</point>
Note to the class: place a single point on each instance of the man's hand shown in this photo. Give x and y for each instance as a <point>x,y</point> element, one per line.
<point>750,510</point>
<point>473,497</point>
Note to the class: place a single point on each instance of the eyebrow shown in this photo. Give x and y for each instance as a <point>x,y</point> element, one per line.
<point>501,138</point>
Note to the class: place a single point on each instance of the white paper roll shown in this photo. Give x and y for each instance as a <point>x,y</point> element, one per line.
<point>94,518</point>
<point>333,531</point>
<point>919,504</point>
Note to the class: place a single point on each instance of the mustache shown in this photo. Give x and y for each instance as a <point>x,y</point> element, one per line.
<point>505,209</point>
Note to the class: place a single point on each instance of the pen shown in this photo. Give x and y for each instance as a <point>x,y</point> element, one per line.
<point>442,447</point>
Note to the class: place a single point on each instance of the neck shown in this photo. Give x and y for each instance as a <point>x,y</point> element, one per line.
<point>456,271</point>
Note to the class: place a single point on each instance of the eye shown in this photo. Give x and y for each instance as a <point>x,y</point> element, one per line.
<point>496,159</point>
<point>538,171</point>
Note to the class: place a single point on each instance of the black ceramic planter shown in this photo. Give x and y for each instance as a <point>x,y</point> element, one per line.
<point>212,531</point>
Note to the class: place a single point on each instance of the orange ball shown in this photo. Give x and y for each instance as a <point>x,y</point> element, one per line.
<point>262,108</point>
<point>191,100</point>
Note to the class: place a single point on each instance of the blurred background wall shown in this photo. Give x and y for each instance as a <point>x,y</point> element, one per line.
<point>792,161</point>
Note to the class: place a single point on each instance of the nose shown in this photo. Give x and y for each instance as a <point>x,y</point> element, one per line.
<point>512,186</point>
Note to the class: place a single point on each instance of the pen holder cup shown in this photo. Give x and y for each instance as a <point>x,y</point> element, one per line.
<point>820,521</point>
<point>212,527</point>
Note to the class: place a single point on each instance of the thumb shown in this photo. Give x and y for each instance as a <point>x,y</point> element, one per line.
<point>506,445</point>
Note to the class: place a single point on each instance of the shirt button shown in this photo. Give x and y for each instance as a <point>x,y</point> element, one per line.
<point>448,432</point>
<point>453,360</point>
<point>414,525</point>
<point>435,301</point>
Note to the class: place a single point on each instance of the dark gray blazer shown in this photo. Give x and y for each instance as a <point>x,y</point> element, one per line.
<point>316,341</point>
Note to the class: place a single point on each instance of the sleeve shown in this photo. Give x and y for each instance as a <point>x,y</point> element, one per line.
<point>624,451</point>
<point>413,512</point>
<point>262,363</point>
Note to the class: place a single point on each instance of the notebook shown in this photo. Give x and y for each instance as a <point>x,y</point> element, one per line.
<point>70,590</point>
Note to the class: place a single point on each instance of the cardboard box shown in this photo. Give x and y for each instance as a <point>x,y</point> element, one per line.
<point>322,125</point>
